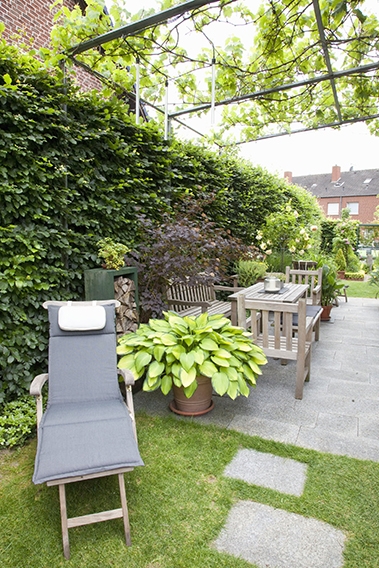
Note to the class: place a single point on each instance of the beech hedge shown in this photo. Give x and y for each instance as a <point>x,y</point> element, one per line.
<point>75,168</point>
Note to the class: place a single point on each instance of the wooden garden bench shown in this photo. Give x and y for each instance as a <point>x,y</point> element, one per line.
<point>194,299</point>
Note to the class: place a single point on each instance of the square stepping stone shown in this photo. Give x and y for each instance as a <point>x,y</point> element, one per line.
<point>273,538</point>
<point>259,468</point>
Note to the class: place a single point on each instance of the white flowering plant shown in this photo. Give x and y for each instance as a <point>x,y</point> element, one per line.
<point>282,230</point>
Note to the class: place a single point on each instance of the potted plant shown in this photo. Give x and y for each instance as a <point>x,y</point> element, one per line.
<point>340,261</point>
<point>191,355</point>
<point>329,290</point>
<point>112,253</point>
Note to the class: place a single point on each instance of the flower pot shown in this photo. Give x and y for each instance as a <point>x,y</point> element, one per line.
<point>325,314</point>
<point>341,274</point>
<point>199,403</point>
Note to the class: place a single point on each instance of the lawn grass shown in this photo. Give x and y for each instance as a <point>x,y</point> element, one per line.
<point>360,289</point>
<point>178,503</point>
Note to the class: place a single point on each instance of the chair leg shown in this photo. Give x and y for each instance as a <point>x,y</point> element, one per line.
<point>317,330</point>
<point>62,500</point>
<point>124,506</point>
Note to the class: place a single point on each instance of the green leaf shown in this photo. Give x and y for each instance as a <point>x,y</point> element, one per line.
<point>208,368</point>
<point>155,369</point>
<point>177,351</point>
<point>187,360</point>
<point>142,359</point>
<point>220,383</point>
<point>220,362</point>
<point>126,362</point>
<point>166,384</point>
<point>222,353</point>
<point>187,377</point>
<point>168,339</point>
<point>188,391</point>
<point>159,351</point>
<point>208,344</point>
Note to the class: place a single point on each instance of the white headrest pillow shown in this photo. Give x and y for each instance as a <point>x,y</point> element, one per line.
<point>81,318</point>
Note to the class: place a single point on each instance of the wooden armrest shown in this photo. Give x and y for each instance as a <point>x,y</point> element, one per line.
<point>317,289</point>
<point>188,303</point>
<point>35,389</point>
<point>127,376</point>
<point>37,383</point>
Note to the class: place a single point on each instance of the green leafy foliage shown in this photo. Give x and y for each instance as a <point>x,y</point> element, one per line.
<point>178,349</point>
<point>17,421</point>
<point>249,271</point>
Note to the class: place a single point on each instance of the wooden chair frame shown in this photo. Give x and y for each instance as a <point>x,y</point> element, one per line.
<point>272,329</point>
<point>313,279</point>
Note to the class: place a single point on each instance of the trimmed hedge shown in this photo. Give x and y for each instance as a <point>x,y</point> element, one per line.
<point>74,168</point>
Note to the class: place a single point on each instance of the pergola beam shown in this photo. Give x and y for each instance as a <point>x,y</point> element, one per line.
<point>279,88</point>
<point>134,27</point>
<point>325,49</point>
<point>302,130</point>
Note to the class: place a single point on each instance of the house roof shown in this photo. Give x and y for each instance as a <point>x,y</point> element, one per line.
<point>349,184</point>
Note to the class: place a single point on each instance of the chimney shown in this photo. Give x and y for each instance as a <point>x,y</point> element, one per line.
<point>336,173</point>
<point>288,176</point>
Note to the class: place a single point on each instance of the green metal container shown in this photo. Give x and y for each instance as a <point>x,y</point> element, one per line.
<point>99,282</point>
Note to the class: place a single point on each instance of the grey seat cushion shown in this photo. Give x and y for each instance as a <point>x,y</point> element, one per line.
<point>78,439</point>
<point>86,428</point>
<point>312,311</point>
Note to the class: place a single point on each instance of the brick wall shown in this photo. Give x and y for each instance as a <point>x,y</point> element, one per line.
<point>366,206</point>
<point>33,19</point>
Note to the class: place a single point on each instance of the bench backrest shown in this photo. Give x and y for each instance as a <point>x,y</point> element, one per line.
<point>192,292</point>
<point>272,326</point>
<point>312,278</point>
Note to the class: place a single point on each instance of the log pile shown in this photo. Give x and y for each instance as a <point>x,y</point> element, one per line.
<point>126,314</point>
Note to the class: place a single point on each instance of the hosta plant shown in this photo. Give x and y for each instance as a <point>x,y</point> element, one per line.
<point>176,350</point>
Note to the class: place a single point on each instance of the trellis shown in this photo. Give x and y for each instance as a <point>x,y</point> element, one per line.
<point>329,41</point>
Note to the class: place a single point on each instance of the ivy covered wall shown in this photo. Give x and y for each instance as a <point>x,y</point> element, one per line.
<point>75,168</point>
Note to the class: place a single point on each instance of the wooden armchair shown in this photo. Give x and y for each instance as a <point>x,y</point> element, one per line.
<point>313,279</point>
<point>272,329</point>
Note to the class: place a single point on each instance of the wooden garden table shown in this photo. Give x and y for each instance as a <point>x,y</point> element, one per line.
<point>289,293</point>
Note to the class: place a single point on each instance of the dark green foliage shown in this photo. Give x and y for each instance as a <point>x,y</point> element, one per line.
<point>66,180</point>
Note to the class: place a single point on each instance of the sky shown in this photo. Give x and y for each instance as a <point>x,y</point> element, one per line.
<point>309,152</point>
<point>316,152</point>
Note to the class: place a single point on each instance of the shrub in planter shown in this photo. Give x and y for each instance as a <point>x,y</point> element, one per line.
<point>178,350</point>
<point>112,253</point>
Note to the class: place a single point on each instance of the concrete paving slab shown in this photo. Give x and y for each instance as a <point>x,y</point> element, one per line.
<point>267,470</point>
<point>272,538</point>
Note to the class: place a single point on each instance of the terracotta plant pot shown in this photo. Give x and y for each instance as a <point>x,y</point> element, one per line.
<point>199,403</point>
<point>341,274</point>
<point>325,315</point>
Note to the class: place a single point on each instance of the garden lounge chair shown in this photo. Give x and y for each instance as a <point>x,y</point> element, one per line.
<point>87,430</point>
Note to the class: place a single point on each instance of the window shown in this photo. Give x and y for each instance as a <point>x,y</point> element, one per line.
<point>353,208</point>
<point>333,209</point>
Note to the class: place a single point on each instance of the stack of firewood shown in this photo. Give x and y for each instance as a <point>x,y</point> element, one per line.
<point>126,314</point>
